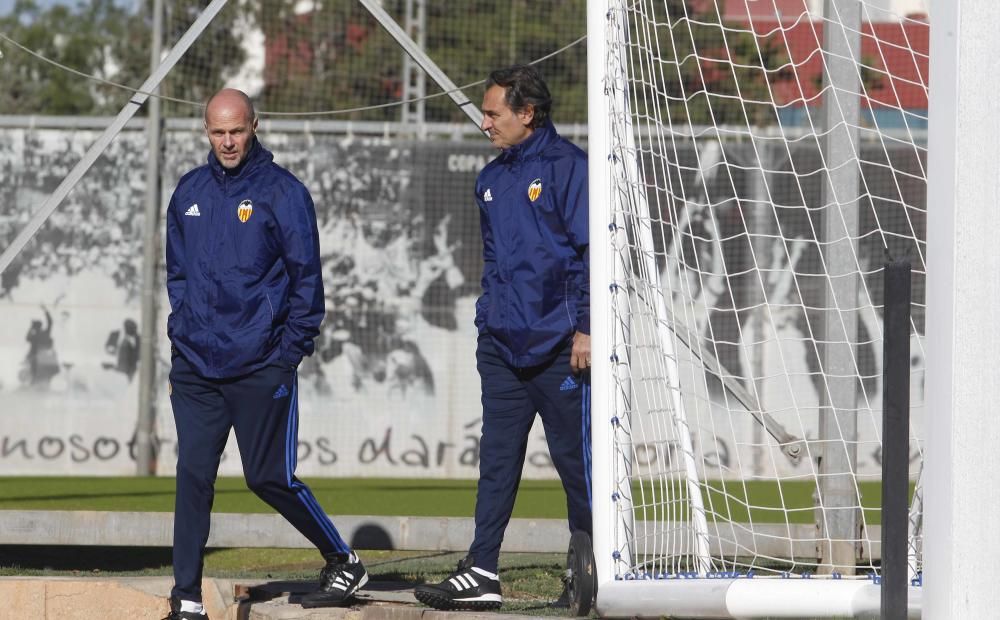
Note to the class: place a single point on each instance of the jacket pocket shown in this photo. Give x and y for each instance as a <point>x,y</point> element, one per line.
<point>173,318</point>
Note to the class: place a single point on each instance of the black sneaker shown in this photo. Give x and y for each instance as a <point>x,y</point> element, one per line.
<point>177,614</point>
<point>338,581</point>
<point>468,588</point>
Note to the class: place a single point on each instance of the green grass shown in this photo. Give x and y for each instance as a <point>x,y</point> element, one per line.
<point>536,499</point>
<point>773,502</point>
<point>338,496</point>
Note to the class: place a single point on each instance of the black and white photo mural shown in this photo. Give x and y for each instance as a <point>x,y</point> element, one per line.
<point>392,389</point>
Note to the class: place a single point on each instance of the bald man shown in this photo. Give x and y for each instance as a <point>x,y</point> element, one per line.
<point>246,298</point>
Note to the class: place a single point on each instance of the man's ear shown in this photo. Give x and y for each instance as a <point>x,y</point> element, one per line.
<point>527,115</point>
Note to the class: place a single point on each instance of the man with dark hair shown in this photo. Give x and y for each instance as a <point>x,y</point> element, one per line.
<point>533,317</point>
<point>521,86</point>
<point>246,299</point>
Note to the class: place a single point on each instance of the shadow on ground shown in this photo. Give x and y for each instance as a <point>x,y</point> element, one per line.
<point>20,558</point>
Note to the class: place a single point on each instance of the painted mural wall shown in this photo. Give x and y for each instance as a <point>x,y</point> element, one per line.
<point>392,389</point>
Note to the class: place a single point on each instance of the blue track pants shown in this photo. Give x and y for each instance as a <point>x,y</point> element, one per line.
<point>262,409</point>
<point>511,398</point>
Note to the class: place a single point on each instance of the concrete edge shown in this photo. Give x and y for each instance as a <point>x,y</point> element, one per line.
<point>155,529</point>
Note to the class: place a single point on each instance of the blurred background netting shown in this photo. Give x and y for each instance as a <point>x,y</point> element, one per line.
<point>292,56</point>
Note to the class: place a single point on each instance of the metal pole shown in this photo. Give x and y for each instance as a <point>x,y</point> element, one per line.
<point>145,457</point>
<point>126,113</point>
<point>602,426</point>
<point>961,541</point>
<point>422,59</point>
<point>414,79</point>
<point>761,241</point>
<point>513,31</point>
<point>838,423</point>
<point>895,439</point>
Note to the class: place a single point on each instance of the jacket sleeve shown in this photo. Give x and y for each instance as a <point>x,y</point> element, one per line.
<point>489,266</point>
<point>176,276</point>
<point>576,216</point>
<point>300,251</point>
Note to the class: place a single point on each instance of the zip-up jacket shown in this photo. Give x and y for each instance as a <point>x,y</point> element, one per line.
<point>243,269</point>
<point>534,218</point>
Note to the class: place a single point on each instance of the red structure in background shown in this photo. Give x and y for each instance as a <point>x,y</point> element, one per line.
<point>895,52</point>
<point>295,51</point>
<point>286,54</point>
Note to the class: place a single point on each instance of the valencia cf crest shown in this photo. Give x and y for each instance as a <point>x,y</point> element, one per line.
<point>535,190</point>
<point>244,211</point>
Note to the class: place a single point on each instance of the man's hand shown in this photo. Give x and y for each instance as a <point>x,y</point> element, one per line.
<point>579,358</point>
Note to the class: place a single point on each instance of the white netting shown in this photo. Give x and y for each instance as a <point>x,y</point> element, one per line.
<point>752,228</point>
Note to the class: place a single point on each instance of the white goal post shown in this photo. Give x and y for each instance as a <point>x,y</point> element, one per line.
<point>753,166</point>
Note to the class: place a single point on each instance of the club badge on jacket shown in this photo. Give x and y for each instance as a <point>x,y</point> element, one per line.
<point>244,211</point>
<point>535,190</point>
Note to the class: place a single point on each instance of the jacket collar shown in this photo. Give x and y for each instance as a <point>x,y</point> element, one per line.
<point>535,144</point>
<point>256,158</point>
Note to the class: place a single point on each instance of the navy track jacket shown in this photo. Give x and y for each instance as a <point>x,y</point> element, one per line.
<point>536,278</point>
<point>243,268</point>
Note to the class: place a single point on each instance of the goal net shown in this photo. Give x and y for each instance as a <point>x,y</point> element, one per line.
<point>756,163</point>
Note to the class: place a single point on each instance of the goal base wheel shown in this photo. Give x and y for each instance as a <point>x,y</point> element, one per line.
<point>580,580</point>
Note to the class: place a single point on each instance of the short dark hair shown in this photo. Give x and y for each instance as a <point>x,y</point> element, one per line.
<point>524,86</point>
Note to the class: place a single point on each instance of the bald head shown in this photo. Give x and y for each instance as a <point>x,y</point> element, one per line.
<point>230,99</point>
<point>231,123</point>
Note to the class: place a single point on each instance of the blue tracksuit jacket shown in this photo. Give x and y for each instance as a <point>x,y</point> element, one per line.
<point>534,219</point>
<point>243,268</point>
